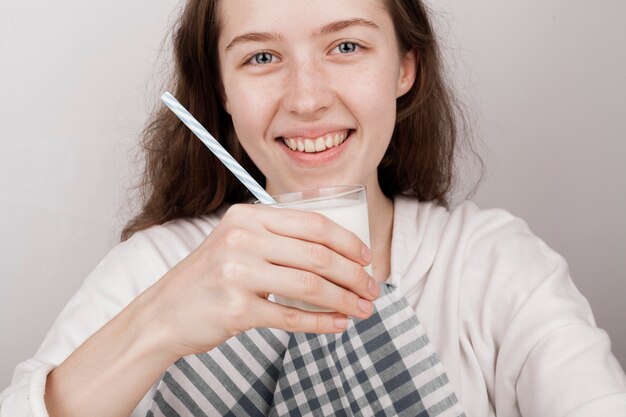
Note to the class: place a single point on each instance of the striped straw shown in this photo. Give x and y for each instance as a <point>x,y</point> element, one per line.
<point>219,151</point>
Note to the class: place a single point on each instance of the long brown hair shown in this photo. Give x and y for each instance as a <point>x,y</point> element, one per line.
<point>181,178</point>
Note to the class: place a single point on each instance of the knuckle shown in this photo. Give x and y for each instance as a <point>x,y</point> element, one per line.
<point>237,310</point>
<point>348,298</point>
<point>315,221</point>
<point>292,320</point>
<point>236,237</point>
<point>357,276</point>
<point>309,282</point>
<point>230,271</point>
<point>237,211</point>
<point>320,324</point>
<point>320,255</point>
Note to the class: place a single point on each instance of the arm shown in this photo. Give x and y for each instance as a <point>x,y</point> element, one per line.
<point>551,358</point>
<point>568,368</point>
<point>526,330</point>
<point>111,371</point>
<point>215,293</point>
<point>126,271</point>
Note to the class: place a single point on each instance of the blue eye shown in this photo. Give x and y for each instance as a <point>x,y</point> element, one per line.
<point>262,58</point>
<point>347,47</point>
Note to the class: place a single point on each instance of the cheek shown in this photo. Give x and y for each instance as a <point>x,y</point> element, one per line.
<point>373,100</point>
<point>249,109</point>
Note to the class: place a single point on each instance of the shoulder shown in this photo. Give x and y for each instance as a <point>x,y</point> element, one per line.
<point>472,234</point>
<point>498,251</point>
<point>501,272</point>
<point>171,238</point>
<point>148,254</point>
<point>473,251</point>
<point>496,240</point>
<point>127,270</point>
<point>465,221</point>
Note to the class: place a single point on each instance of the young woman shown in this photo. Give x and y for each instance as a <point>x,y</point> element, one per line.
<point>269,78</point>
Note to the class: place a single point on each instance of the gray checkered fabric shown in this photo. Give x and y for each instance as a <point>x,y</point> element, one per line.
<point>382,366</point>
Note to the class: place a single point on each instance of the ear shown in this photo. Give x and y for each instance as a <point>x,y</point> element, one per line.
<point>408,72</point>
<point>223,98</point>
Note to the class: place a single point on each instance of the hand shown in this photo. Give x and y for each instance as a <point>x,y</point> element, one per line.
<point>220,290</point>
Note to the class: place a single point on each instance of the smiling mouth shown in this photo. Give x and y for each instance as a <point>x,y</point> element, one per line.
<point>320,144</point>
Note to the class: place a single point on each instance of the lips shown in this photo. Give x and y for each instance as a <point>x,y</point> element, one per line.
<point>315,145</point>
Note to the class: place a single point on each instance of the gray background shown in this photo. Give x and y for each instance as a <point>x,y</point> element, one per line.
<point>544,82</point>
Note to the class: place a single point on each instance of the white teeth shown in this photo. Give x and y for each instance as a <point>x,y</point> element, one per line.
<point>315,145</point>
<point>320,145</point>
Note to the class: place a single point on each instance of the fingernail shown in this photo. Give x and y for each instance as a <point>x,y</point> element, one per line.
<point>365,306</point>
<point>366,254</point>
<point>341,322</point>
<point>373,287</point>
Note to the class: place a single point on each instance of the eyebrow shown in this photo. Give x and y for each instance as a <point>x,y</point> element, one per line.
<point>324,30</point>
<point>344,24</point>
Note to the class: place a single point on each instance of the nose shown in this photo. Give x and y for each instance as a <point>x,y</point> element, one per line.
<point>307,91</point>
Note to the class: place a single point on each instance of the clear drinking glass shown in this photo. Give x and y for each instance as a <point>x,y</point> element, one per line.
<point>346,205</point>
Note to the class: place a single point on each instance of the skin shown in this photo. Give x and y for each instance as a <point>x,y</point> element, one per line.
<point>310,83</point>
<point>215,292</point>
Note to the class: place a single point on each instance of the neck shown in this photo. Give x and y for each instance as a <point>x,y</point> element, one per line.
<point>380,210</point>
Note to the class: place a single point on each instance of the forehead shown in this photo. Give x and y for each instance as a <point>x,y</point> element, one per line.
<point>295,17</point>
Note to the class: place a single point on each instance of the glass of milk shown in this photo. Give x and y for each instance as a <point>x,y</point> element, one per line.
<point>346,205</point>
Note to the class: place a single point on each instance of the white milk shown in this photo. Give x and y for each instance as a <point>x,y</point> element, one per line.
<point>349,213</point>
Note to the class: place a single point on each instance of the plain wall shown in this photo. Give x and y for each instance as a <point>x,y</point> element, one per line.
<point>544,83</point>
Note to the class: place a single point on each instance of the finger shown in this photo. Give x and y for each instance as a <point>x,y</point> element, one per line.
<point>311,288</point>
<point>314,227</point>
<point>319,259</point>
<point>277,316</point>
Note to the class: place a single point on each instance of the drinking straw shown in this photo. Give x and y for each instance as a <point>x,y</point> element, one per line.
<point>217,149</point>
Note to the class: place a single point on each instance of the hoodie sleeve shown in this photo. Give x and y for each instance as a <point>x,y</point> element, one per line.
<point>126,271</point>
<point>547,356</point>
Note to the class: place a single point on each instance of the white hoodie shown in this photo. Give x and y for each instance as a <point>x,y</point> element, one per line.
<point>512,331</point>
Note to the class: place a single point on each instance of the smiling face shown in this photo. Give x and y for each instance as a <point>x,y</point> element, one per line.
<point>311,86</point>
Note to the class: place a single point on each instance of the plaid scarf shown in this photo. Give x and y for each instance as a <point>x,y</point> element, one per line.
<point>381,366</point>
